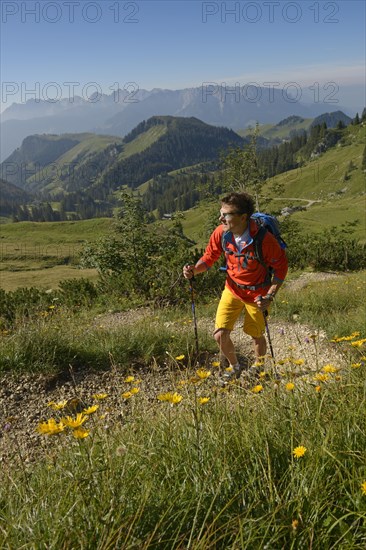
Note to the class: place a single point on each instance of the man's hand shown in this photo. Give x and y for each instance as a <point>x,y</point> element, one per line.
<point>188,271</point>
<point>263,302</point>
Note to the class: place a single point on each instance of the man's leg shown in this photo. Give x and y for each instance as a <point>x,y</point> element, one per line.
<point>228,311</point>
<point>260,348</point>
<point>254,325</point>
<point>222,337</point>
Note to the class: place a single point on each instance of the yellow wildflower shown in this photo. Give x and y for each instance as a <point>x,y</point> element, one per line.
<point>51,427</point>
<point>129,379</point>
<point>263,374</point>
<point>91,410</point>
<point>80,433</point>
<point>298,361</point>
<point>289,386</point>
<point>135,390</point>
<point>298,452</point>
<point>127,395</point>
<point>319,377</point>
<point>355,365</point>
<point>203,373</point>
<point>164,396</point>
<point>180,357</point>
<point>74,422</point>
<point>203,400</point>
<point>318,388</point>
<point>215,363</point>
<point>229,369</point>
<point>363,487</point>
<point>329,368</point>
<point>358,343</point>
<point>175,398</point>
<point>257,389</point>
<point>100,396</point>
<point>295,524</point>
<point>57,406</point>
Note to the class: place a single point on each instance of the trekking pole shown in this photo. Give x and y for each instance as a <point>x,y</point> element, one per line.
<point>265,313</point>
<point>193,305</point>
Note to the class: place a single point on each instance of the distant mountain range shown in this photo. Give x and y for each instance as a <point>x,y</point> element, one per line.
<point>118,113</point>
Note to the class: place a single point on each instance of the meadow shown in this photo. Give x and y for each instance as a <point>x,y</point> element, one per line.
<point>43,254</point>
<point>166,456</point>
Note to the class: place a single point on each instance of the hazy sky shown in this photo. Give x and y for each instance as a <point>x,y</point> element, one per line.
<point>54,48</point>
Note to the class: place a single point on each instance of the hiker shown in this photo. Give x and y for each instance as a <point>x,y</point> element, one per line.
<point>250,285</point>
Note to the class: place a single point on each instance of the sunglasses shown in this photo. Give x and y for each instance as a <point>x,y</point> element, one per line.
<point>227,215</point>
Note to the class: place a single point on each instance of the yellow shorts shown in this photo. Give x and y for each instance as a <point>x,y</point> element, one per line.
<point>229,309</point>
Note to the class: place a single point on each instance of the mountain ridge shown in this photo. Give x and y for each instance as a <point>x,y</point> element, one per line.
<point>121,111</point>
<point>143,154</point>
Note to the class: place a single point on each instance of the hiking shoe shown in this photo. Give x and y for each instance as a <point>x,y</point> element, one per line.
<point>232,373</point>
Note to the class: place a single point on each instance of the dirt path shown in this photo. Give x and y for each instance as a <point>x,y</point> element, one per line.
<point>309,202</point>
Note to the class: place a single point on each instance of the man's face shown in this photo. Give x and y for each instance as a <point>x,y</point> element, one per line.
<point>232,219</point>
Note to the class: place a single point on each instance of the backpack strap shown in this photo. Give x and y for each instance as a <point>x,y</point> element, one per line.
<point>258,255</point>
<point>258,242</point>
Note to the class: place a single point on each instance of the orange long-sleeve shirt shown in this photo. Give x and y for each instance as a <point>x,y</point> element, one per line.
<point>247,270</point>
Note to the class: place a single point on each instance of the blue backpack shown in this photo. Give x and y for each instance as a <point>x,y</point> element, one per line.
<point>265,222</point>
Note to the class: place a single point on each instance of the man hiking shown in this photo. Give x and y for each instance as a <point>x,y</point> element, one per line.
<point>252,281</point>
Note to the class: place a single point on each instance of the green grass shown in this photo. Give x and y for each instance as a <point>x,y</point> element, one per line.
<point>336,306</point>
<point>18,276</point>
<point>49,233</point>
<point>220,474</point>
<point>33,253</point>
<point>143,141</point>
<point>52,339</point>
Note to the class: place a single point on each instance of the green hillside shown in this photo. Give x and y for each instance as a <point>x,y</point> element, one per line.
<point>95,166</point>
<point>143,141</point>
<point>334,179</point>
<point>275,133</point>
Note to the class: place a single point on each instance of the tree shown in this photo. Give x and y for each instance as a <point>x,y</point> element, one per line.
<point>138,259</point>
<point>364,159</point>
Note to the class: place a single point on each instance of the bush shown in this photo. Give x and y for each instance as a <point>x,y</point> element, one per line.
<point>77,292</point>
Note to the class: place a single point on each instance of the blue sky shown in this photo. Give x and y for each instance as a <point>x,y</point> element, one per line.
<point>177,44</point>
